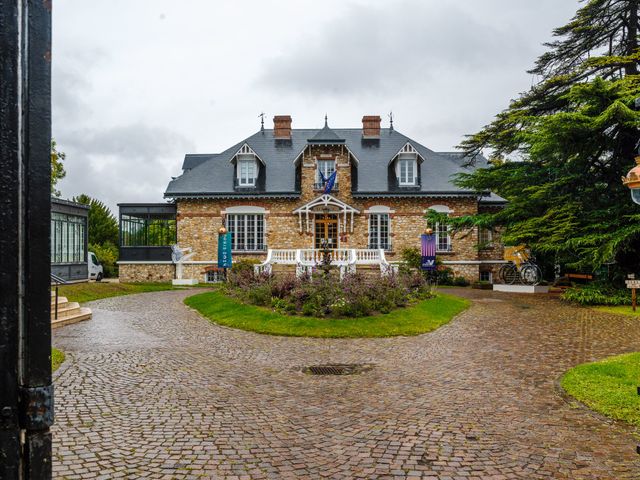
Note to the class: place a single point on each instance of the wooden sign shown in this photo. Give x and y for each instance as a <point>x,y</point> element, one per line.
<point>633,284</point>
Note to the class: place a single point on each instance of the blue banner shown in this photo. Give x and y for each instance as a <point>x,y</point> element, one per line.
<point>428,260</point>
<point>224,250</point>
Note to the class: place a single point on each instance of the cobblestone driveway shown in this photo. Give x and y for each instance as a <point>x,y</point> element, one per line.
<point>150,389</point>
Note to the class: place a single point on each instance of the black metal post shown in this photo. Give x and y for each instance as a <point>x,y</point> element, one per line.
<point>26,396</point>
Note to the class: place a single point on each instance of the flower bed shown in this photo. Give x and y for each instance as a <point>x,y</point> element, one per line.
<point>325,296</point>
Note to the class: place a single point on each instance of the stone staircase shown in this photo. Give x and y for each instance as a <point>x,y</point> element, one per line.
<point>68,312</point>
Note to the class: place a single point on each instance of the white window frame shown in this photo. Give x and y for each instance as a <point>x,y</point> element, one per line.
<point>439,231</point>
<point>411,161</point>
<point>327,167</point>
<point>239,216</point>
<point>378,212</point>
<point>490,275</point>
<point>247,177</point>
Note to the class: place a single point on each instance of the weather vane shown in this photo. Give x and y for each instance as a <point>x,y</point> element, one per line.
<point>391,120</point>
<point>261,116</point>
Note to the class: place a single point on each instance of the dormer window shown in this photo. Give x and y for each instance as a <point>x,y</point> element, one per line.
<point>247,170</point>
<point>247,174</point>
<point>407,170</point>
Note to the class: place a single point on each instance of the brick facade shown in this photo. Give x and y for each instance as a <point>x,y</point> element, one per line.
<point>198,222</point>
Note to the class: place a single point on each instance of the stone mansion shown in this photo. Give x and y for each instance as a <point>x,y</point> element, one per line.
<point>270,190</point>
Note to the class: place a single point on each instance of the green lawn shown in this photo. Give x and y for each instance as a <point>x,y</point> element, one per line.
<point>57,357</point>
<point>608,387</point>
<point>620,309</point>
<point>88,291</point>
<point>420,318</point>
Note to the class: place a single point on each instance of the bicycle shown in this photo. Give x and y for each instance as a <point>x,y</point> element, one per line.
<point>524,271</point>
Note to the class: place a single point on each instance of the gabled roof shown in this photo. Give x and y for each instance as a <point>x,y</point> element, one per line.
<point>213,174</point>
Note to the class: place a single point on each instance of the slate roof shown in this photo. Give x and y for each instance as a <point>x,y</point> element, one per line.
<point>212,175</point>
<point>326,136</point>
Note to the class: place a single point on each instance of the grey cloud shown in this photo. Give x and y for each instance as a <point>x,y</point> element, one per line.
<point>70,85</point>
<point>122,164</point>
<point>394,47</point>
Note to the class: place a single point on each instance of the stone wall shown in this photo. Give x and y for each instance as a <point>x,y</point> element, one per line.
<point>146,272</point>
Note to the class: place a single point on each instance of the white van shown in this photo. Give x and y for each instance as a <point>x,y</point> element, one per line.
<point>96,271</point>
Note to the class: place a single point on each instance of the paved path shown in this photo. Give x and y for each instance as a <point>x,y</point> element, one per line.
<point>153,390</point>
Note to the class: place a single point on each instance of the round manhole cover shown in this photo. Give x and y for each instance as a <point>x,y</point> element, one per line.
<point>337,369</point>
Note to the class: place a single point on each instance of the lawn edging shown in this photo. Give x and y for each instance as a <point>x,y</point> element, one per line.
<point>57,359</point>
<point>617,310</point>
<point>90,291</point>
<point>607,387</point>
<point>423,317</point>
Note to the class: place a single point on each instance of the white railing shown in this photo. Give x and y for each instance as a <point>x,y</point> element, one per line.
<point>285,257</point>
<point>307,260</point>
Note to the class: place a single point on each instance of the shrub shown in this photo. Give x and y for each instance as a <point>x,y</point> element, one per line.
<point>259,295</point>
<point>412,262</point>
<point>598,294</point>
<point>108,256</point>
<point>411,257</point>
<point>445,275</point>
<point>244,265</point>
<point>482,285</point>
<point>460,282</point>
<point>323,296</point>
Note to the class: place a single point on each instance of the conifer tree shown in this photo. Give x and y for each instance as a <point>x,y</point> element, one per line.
<point>558,152</point>
<point>103,226</point>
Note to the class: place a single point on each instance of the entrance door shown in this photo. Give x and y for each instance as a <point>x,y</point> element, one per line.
<point>326,230</point>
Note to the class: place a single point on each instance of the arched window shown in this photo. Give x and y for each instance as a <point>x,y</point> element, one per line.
<point>379,227</point>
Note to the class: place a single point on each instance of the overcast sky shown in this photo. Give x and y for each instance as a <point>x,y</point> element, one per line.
<point>139,83</point>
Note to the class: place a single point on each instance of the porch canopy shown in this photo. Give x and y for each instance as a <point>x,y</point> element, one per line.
<point>325,204</point>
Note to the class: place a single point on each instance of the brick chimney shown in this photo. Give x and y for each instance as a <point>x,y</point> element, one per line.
<point>371,126</point>
<point>282,127</point>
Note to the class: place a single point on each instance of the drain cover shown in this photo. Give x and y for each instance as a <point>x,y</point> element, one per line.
<point>337,369</point>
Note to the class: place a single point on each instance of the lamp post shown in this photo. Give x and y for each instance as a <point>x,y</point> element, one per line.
<point>632,180</point>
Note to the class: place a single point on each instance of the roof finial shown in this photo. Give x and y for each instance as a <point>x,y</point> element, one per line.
<point>326,122</point>
<point>391,121</point>
<point>261,121</point>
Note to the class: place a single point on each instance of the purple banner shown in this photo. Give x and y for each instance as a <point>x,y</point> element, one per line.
<point>428,261</point>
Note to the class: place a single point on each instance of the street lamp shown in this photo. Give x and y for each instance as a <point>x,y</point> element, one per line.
<point>632,180</point>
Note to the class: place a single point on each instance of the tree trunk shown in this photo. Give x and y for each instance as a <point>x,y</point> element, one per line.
<point>632,37</point>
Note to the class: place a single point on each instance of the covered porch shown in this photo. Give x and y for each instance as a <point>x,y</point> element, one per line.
<point>327,218</point>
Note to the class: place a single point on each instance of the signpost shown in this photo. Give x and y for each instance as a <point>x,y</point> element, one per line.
<point>633,284</point>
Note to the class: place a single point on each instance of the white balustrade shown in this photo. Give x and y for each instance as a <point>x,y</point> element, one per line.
<point>306,259</point>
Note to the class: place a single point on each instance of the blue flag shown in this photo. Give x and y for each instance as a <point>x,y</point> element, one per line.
<point>330,182</point>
